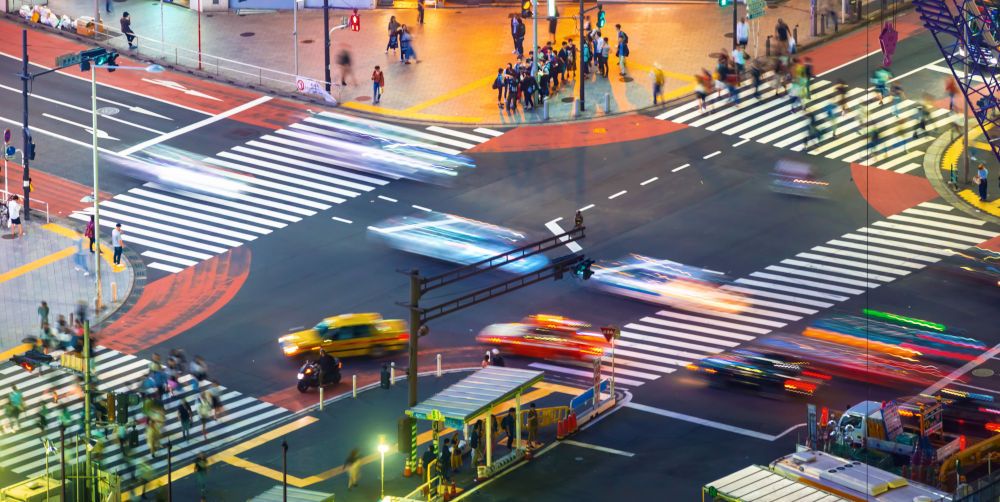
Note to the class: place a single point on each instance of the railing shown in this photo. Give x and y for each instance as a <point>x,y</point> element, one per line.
<point>6,195</point>
<point>425,489</point>
<point>547,416</point>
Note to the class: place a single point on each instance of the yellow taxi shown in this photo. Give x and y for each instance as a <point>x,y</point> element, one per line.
<point>349,335</point>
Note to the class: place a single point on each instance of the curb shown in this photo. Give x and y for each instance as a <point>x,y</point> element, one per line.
<point>933,160</point>
<point>294,96</point>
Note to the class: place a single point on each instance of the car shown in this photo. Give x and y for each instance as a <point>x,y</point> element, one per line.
<point>769,373</point>
<point>349,335</point>
<point>980,264</point>
<point>455,239</point>
<point>547,337</point>
<point>973,412</point>
<point>669,283</point>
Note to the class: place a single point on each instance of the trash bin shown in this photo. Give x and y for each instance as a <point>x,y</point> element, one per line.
<point>85,26</point>
<point>385,379</point>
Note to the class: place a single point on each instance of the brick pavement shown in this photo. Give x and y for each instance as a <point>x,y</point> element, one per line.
<point>40,266</point>
<point>460,49</point>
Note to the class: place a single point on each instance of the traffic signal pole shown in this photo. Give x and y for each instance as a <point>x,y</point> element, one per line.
<point>86,402</point>
<point>26,148</point>
<point>97,213</point>
<point>411,370</point>
<point>579,54</point>
<point>326,45</point>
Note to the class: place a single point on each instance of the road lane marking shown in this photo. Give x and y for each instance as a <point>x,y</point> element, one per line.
<point>422,208</point>
<point>488,132</point>
<point>84,110</point>
<point>855,60</point>
<point>944,382</point>
<point>557,220</point>
<point>616,195</point>
<point>588,206</point>
<point>197,125</point>
<point>745,141</point>
<point>650,180</point>
<point>678,168</point>
<point>713,154</point>
<point>390,199</point>
<point>554,227</point>
<point>342,220</point>
<point>604,449</point>
<point>59,136</point>
<point>708,423</point>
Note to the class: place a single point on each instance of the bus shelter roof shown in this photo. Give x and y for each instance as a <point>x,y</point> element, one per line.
<point>474,395</point>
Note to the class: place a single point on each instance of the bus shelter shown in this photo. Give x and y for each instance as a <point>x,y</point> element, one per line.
<point>475,397</point>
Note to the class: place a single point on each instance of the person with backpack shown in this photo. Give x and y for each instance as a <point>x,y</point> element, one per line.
<point>622,49</point>
<point>89,232</point>
<point>544,78</point>
<point>512,87</point>
<point>528,87</point>
<point>498,85</point>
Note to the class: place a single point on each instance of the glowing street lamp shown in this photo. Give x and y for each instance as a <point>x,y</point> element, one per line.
<point>382,449</point>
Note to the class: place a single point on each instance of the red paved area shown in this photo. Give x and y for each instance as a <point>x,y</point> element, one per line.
<point>178,302</point>
<point>579,134</point>
<point>62,195</point>
<point>992,244</point>
<point>859,43</point>
<point>888,192</point>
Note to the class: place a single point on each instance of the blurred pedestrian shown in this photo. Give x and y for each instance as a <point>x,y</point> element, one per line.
<point>496,359</point>
<point>658,79</point>
<point>43,314</point>
<point>344,63</point>
<point>783,36</point>
<point>393,35</point>
<point>205,412</point>
<point>420,11</point>
<point>90,232</point>
<point>982,179</point>
<point>897,98</point>
<point>201,470</point>
<point>126,24</point>
<point>353,465</point>
<point>184,413</point>
<point>14,213</point>
<point>378,82</point>
<point>118,243</point>
<point>553,22</point>
<point>406,45</point>
<point>456,453</point>
<point>951,88</point>
<point>532,426</point>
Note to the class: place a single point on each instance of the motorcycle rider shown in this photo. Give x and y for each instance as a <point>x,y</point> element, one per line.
<point>327,366</point>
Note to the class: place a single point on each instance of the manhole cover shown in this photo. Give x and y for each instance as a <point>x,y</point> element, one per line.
<point>206,15</point>
<point>108,111</point>
<point>983,372</point>
<point>626,79</point>
<point>247,34</point>
<point>307,41</point>
<point>363,98</point>
<point>568,100</point>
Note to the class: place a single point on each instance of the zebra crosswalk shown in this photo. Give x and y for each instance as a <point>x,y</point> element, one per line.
<point>285,176</point>
<point>805,284</point>
<point>768,119</point>
<point>22,450</point>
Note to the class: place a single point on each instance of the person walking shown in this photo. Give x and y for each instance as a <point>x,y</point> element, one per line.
<point>951,88</point>
<point>742,32</point>
<point>378,82</point>
<point>658,80</point>
<point>393,35</point>
<point>185,415</point>
<point>126,24</point>
<point>43,314</point>
<point>517,32</point>
<point>205,412</point>
<point>782,35</point>
<point>353,465</point>
<point>897,98</point>
<point>553,23</point>
<point>420,12</point>
<point>117,243</point>
<point>344,63</point>
<point>982,179</point>
<point>622,49</point>
<point>14,213</point>
<point>509,424</point>
<point>496,359</point>
<point>532,425</point>
<point>90,232</point>
<point>15,406</point>
<point>80,261</point>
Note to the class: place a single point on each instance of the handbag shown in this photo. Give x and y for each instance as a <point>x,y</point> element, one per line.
<point>977,180</point>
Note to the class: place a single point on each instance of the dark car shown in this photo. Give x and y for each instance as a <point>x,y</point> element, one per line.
<point>769,373</point>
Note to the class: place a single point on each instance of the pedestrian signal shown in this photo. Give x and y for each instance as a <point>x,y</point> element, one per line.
<point>602,18</point>
<point>583,270</point>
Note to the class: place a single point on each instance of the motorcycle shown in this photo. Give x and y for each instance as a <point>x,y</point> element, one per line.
<point>309,376</point>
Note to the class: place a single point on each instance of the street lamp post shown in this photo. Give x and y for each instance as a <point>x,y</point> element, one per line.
<point>382,449</point>
<point>97,214</point>
<point>295,36</point>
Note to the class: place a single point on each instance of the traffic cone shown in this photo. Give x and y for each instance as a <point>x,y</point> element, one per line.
<point>445,494</point>
<point>572,424</point>
<point>453,490</point>
<point>406,470</point>
<point>560,429</point>
<point>420,468</point>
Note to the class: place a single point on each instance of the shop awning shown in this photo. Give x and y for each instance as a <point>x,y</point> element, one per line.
<point>474,395</point>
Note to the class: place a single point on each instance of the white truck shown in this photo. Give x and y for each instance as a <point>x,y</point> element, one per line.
<point>878,426</point>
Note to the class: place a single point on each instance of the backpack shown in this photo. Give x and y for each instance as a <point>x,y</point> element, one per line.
<point>497,82</point>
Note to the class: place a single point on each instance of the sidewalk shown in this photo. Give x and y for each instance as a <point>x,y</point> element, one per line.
<point>946,153</point>
<point>318,444</point>
<point>40,266</point>
<point>460,50</point>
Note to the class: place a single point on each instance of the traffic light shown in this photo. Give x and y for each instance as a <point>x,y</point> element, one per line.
<point>90,55</point>
<point>526,8</point>
<point>583,270</point>
<point>602,18</point>
<point>111,61</point>
<point>723,3</point>
<point>32,360</point>
<point>110,406</point>
<point>29,149</point>
<point>121,408</point>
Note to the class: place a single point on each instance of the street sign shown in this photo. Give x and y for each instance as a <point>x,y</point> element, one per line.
<point>9,152</point>
<point>310,86</point>
<point>68,59</point>
<point>756,8</point>
<point>610,332</point>
<point>6,136</point>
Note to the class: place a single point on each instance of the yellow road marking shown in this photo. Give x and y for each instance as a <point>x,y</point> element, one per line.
<point>106,252</point>
<point>9,353</point>
<point>676,93</point>
<point>37,264</point>
<point>992,207</point>
<point>224,455</point>
<point>542,389</point>
<point>364,107</point>
<point>981,146</point>
<point>480,84</point>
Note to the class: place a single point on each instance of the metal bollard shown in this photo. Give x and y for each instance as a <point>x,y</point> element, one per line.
<point>114,292</point>
<point>354,386</point>
<point>822,24</point>
<point>321,397</point>
<point>607,102</point>
<point>545,113</point>
<point>392,373</point>
<point>767,46</point>
<point>439,365</point>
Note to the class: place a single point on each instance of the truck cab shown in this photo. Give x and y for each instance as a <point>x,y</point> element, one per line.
<point>879,426</point>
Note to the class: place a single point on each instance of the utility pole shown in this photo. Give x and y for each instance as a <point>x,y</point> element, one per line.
<point>579,59</point>
<point>736,8</point>
<point>295,34</point>
<point>97,202</point>
<point>86,403</point>
<point>27,147</point>
<point>534,46</point>
<point>326,44</point>
<point>411,370</point>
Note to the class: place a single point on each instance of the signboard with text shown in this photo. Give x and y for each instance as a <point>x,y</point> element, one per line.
<point>756,8</point>
<point>310,86</point>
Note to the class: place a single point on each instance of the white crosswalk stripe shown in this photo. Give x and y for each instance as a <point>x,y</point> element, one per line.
<point>118,372</point>
<point>817,279</point>
<point>768,119</point>
<point>284,176</point>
